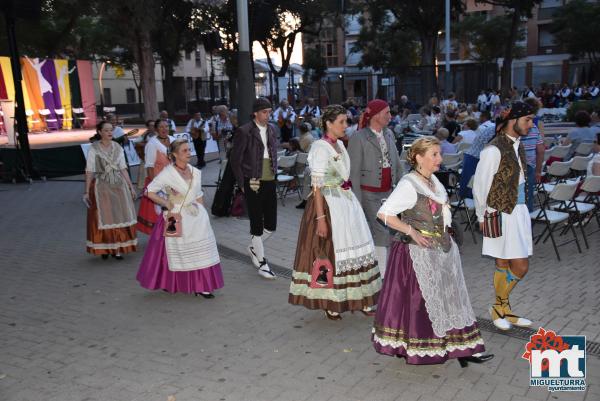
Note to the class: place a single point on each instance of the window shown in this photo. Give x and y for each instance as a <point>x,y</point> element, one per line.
<point>546,43</point>
<point>130,95</point>
<point>198,59</point>
<point>329,53</point>
<point>188,55</point>
<point>107,97</point>
<point>548,8</point>
<point>189,87</point>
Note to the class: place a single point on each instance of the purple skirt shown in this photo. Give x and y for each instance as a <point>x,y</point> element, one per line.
<point>154,273</point>
<point>402,326</point>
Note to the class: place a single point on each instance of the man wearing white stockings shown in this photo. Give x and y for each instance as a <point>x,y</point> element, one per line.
<point>375,169</point>
<point>254,163</point>
<point>501,206</point>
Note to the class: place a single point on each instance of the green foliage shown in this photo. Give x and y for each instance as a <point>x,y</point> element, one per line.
<point>576,29</point>
<point>487,38</point>
<point>588,105</point>
<point>314,64</point>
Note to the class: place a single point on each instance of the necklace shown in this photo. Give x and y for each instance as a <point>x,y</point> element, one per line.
<point>184,169</point>
<point>428,180</point>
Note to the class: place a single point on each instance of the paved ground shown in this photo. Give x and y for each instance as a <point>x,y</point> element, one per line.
<point>75,327</point>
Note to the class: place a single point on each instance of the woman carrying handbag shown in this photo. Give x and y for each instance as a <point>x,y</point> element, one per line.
<point>334,268</point>
<point>182,253</point>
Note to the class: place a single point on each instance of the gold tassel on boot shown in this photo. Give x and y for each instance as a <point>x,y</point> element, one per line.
<point>512,280</point>
<point>497,310</point>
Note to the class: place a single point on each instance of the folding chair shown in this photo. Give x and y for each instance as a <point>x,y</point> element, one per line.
<point>462,146</point>
<point>467,206</point>
<point>579,165</point>
<point>46,117</point>
<point>30,119</point>
<point>453,160</point>
<point>549,141</point>
<point>584,148</point>
<point>557,172</point>
<point>560,151</point>
<point>280,153</point>
<point>79,116</point>
<point>591,189</point>
<point>284,181</point>
<point>561,193</point>
<point>61,114</point>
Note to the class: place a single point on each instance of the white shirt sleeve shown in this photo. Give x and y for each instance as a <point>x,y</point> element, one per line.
<point>403,197</point>
<point>189,125</point>
<point>198,177</point>
<point>150,153</point>
<point>318,160</point>
<point>292,116</point>
<point>118,132</point>
<point>484,175</point>
<point>90,164</point>
<point>159,183</point>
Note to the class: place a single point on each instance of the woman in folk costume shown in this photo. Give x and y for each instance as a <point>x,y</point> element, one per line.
<point>424,312</point>
<point>156,158</point>
<point>501,205</point>
<point>182,257</point>
<point>109,195</point>
<point>334,268</point>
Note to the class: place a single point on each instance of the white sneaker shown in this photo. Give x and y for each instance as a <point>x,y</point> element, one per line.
<point>522,322</point>
<point>265,271</point>
<point>253,256</point>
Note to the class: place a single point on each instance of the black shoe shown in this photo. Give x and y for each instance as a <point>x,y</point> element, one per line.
<point>104,257</point>
<point>464,361</point>
<point>301,205</point>
<point>207,296</point>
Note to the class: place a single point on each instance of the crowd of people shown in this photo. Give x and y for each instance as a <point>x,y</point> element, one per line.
<point>375,238</point>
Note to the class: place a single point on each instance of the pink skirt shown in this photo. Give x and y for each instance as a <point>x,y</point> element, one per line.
<point>154,273</point>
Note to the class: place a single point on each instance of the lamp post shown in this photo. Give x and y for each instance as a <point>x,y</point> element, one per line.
<point>245,76</point>
<point>100,83</point>
<point>447,38</point>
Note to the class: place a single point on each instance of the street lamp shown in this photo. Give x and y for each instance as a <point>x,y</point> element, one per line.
<point>100,75</point>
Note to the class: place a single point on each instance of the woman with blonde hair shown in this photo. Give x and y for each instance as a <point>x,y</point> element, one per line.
<point>183,256</point>
<point>109,195</point>
<point>334,268</point>
<point>424,313</point>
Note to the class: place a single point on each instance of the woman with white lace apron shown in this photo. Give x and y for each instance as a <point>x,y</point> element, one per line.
<point>334,237</point>
<point>424,312</point>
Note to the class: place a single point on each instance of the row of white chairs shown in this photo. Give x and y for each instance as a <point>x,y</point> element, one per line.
<point>45,117</point>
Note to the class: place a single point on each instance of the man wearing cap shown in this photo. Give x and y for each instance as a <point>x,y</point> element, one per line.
<point>375,169</point>
<point>501,206</point>
<point>254,164</point>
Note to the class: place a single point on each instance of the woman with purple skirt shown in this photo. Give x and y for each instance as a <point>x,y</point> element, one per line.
<point>182,257</point>
<point>424,313</point>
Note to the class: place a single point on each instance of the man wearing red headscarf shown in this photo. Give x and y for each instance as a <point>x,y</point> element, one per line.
<point>375,169</point>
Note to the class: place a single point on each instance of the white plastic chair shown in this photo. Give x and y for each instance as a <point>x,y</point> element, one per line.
<point>46,118</point>
<point>561,151</point>
<point>79,115</point>
<point>61,114</point>
<point>584,148</point>
<point>579,164</point>
<point>462,146</point>
<point>558,171</point>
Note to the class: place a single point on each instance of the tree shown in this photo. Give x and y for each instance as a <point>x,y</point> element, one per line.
<point>485,39</point>
<point>574,26</point>
<point>424,18</point>
<point>515,9</point>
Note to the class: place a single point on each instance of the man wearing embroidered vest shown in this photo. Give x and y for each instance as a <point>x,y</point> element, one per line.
<point>254,164</point>
<point>499,186</point>
<point>375,169</point>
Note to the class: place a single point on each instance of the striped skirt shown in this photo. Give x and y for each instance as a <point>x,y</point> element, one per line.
<point>352,290</point>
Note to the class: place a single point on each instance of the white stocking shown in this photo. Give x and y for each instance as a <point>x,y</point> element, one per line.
<point>381,256</point>
<point>257,244</point>
<point>266,235</point>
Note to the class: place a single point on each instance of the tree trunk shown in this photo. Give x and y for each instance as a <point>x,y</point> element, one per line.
<point>145,61</point>
<point>508,54</point>
<point>428,53</point>
<point>169,88</point>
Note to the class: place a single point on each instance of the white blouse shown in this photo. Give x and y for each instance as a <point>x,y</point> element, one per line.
<point>115,156</point>
<point>152,146</point>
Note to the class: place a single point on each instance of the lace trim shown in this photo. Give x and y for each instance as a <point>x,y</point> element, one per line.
<point>317,180</point>
<point>116,245</point>
<point>118,225</point>
<point>443,287</point>
<point>355,263</point>
<point>427,352</point>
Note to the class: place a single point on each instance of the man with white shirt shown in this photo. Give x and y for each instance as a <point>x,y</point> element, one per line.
<point>499,193</point>
<point>164,115</point>
<point>375,169</point>
<point>195,127</point>
<point>481,101</point>
<point>565,92</point>
<point>254,164</point>
<point>594,90</point>
<point>311,110</point>
<point>285,117</point>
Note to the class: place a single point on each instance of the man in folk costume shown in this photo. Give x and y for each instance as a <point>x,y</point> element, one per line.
<point>501,206</point>
<point>285,117</point>
<point>195,127</point>
<point>311,110</point>
<point>375,169</point>
<point>254,164</point>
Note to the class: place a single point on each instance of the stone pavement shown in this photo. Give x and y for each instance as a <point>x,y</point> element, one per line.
<point>75,327</point>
